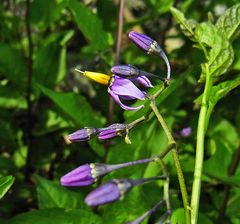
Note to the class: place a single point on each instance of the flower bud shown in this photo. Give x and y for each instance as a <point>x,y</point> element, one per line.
<point>81,135</point>
<point>112,131</point>
<point>186,132</point>
<point>145,42</point>
<point>108,192</point>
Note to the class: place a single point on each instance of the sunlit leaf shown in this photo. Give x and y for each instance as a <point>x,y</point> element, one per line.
<point>220,55</point>
<point>229,22</point>
<point>5,184</point>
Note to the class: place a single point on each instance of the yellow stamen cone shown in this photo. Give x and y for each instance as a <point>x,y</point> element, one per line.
<point>97,77</point>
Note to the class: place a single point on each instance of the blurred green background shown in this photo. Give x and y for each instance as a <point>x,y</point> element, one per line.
<point>42,99</point>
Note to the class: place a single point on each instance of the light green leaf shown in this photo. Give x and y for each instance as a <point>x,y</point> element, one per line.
<point>5,184</point>
<point>56,215</point>
<point>187,26</point>
<point>90,25</point>
<point>178,216</point>
<point>53,195</point>
<point>76,107</point>
<point>229,22</point>
<point>220,55</point>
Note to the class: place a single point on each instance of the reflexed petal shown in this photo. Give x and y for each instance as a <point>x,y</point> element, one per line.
<point>125,107</point>
<point>125,87</point>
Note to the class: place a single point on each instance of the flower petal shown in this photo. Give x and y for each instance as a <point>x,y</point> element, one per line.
<point>125,107</point>
<point>143,80</point>
<point>125,87</point>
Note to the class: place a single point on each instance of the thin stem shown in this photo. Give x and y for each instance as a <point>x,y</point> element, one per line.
<point>176,160</point>
<point>28,89</point>
<point>166,186</point>
<point>117,54</point>
<point>201,130</point>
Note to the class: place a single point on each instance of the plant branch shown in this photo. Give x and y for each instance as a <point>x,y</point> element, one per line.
<point>171,141</point>
<point>28,89</point>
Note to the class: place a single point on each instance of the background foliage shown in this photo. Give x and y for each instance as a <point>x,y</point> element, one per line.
<point>35,115</point>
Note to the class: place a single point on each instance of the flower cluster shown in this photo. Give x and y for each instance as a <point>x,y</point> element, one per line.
<point>122,85</point>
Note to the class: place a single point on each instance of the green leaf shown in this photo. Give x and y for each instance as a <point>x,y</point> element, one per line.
<point>187,26</point>
<point>53,195</point>
<point>45,12</point>
<point>76,107</point>
<point>56,215</point>
<point>49,66</point>
<point>178,216</point>
<point>90,25</point>
<point>220,55</point>
<point>12,65</point>
<point>5,184</point>
<point>10,98</point>
<point>229,22</point>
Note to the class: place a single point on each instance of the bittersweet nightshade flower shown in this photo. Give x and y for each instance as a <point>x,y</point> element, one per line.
<point>121,88</point>
<point>150,46</point>
<point>114,190</point>
<point>146,214</point>
<point>87,174</point>
<point>81,135</point>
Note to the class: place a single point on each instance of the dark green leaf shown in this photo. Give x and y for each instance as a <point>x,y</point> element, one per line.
<point>12,65</point>
<point>76,107</point>
<point>53,195</point>
<point>5,184</point>
<point>56,215</point>
<point>229,22</point>
<point>90,25</point>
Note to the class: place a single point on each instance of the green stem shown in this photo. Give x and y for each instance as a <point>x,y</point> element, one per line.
<point>201,130</point>
<point>176,160</point>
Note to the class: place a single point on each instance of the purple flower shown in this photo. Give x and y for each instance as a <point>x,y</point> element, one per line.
<point>114,190</point>
<point>186,132</point>
<point>151,46</point>
<point>125,89</point>
<point>81,135</point>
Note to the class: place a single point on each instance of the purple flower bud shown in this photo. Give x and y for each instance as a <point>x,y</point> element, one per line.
<point>89,173</point>
<point>186,132</point>
<point>145,42</point>
<point>127,71</point>
<point>112,131</point>
<point>80,176</point>
<point>114,190</point>
<point>108,192</point>
<point>151,46</point>
<point>81,135</point>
